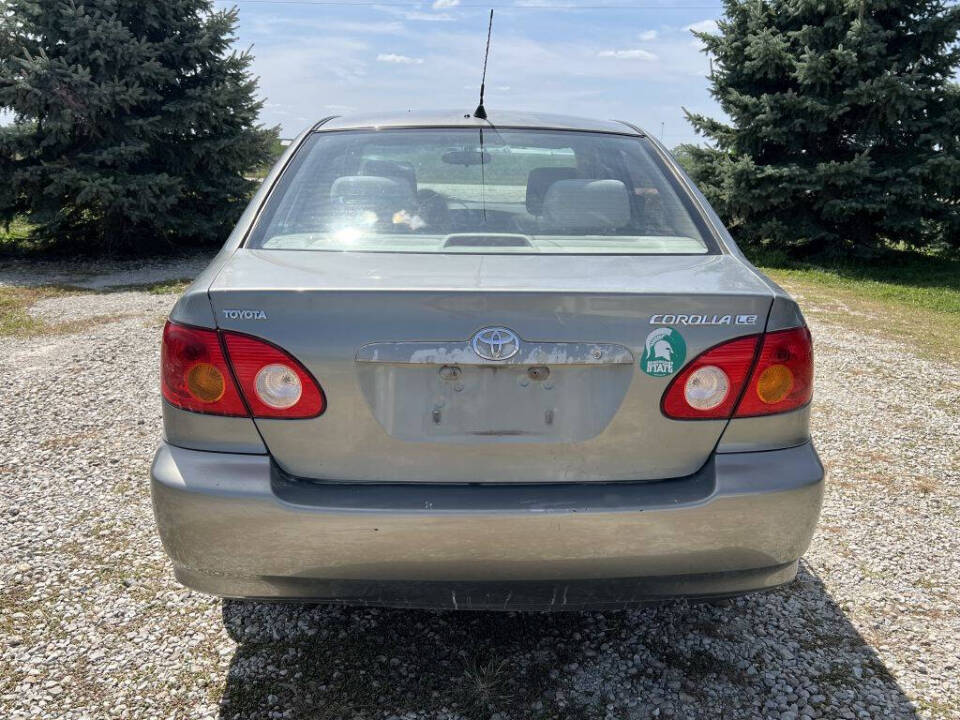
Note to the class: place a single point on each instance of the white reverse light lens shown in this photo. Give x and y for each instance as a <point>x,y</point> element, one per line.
<point>706,388</point>
<point>278,386</point>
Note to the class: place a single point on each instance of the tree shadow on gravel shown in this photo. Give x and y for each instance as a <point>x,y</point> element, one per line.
<point>787,654</point>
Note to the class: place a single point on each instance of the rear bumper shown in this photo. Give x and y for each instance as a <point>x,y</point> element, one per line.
<point>235,526</point>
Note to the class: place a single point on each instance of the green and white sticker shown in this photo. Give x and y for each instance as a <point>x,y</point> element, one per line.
<point>663,352</point>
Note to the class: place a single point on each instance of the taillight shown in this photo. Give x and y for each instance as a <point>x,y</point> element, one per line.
<point>251,377</point>
<point>274,383</point>
<point>783,378</point>
<point>719,384</point>
<point>194,374</point>
<point>709,387</point>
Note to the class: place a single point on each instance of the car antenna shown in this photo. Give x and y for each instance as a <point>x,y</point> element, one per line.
<point>483,177</point>
<point>481,112</point>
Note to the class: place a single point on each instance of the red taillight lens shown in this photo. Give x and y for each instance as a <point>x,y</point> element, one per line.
<point>783,378</point>
<point>734,359</point>
<point>253,376</point>
<point>274,383</point>
<point>710,386</point>
<point>194,375</point>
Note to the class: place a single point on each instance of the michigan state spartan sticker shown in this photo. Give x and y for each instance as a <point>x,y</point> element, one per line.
<point>663,352</point>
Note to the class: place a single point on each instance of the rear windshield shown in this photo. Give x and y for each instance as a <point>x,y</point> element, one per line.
<point>470,190</point>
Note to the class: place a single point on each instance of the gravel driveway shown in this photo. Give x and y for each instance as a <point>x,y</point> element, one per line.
<point>92,624</point>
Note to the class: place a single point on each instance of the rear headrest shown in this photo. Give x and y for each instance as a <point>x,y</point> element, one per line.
<point>382,195</point>
<point>539,180</point>
<point>575,205</point>
<point>390,169</point>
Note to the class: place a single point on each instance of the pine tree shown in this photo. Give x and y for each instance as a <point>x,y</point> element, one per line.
<point>133,122</point>
<point>844,131</point>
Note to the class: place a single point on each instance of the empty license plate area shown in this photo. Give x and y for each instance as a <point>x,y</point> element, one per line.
<point>564,392</point>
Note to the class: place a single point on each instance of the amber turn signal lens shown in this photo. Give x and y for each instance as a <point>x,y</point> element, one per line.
<point>205,382</point>
<point>774,384</point>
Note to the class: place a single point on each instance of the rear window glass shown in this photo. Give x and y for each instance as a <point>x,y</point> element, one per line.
<point>467,190</point>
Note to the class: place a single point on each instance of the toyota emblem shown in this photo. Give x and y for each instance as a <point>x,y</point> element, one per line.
<point>496,343</point>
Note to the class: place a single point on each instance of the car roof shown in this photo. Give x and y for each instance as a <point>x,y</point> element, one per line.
<point>463,118</point>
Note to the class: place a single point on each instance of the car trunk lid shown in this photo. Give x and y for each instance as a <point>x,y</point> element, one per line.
<point>390,337</point>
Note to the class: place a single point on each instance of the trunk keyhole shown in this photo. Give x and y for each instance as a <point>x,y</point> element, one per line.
<point>538,372</point>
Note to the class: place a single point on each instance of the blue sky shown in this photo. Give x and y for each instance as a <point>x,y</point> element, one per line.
<point>637,63</point>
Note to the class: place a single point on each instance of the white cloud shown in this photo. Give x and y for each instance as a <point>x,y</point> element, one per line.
<point>703,26</point>
<point>337,59</point>
<point>399,59</point>
<point>556,74</point>
<point>415,15</point>
<point>362,28</point>
<point>634,54</point>
<point>648,35</point>
<point>278,26</point>
<point>443,4</point>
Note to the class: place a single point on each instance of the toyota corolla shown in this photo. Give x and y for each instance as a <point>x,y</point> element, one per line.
<point>506,363</point>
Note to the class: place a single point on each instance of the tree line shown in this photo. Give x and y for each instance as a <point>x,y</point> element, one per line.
<point>133,124</point>
<point>843,134</point>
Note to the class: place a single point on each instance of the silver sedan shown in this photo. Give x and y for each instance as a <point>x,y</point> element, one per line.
<point>506,363</point>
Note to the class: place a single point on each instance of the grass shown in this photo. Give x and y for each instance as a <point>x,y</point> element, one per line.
<point>483,685</point>
<point>939,708</point>
<point>164,287</point>
<point>16,234</point>
<point>909,279</point>
<point>908,297</point>
<point>16,301</point>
